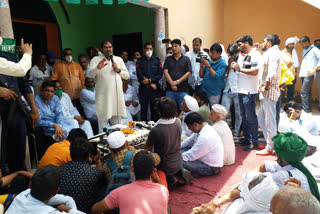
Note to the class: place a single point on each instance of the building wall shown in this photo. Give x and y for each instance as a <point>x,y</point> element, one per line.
<point>92,24</point>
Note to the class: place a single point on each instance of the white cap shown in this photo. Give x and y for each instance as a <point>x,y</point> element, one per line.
<point>292,40</point>
<point>219,109</point>
<point>116,139</point>
<point>191,103</point>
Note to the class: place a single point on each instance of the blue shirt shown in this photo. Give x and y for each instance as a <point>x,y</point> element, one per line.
<point>214,85</point>
<point>310,60</point>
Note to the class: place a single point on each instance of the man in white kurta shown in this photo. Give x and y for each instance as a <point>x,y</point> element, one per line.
<point>108,76</point>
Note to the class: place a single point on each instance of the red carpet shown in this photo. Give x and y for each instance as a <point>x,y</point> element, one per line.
<point>202,190</point>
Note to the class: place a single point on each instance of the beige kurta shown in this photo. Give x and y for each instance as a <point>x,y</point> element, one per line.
<point>109,95</point>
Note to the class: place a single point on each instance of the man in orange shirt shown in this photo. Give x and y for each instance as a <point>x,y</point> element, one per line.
<point>71,77</point>
<point>59,153</point>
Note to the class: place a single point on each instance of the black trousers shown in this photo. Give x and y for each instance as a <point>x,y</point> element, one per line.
<point>147,98</point>
<point>77,104</point>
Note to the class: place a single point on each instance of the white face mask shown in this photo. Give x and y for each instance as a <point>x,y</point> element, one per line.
<point>135,60</point>
<point>68,58</point>
<point>1,40</point>
<point>149,53</point>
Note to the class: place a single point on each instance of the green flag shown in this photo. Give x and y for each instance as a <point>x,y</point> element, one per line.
<point>122,2</point>
<point>92,1</point>
<point>73,1</point>
<point>8,45</point>
<point>107,1</point>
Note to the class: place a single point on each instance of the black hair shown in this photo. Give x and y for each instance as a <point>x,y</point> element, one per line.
<point>66,49</point>
<point>76,133</point>
<point>202,95</point>
<point>89,49</point>
<point>246,38</point>
<point>82,56</point>
<point>186,48</point>
<point>192,118</point>
<point>80,149</point>
<point>305,39</point>
<point>143,164</point>
<point>273,38</point>
<point>197,39</point>
<point>106,41</point>
<point>233,49</point>
<point>45,182</point>
<point>169,48</point>
<point>146,44</point>
<point>176,41</point>
<point>124,51</point>
<point>315,41</point>
<point>206,50</point>
<point>216,47</point>
<point>167,108</point>
<point>292,104</point>
<point>48,84</point>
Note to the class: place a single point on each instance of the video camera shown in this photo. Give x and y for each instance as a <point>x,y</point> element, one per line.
<point>201,56</point>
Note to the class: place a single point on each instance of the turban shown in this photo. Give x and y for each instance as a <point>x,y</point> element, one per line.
<point>116,139</point>
<point>292,40</point>
<point>292,148</point>
<point>191,103</point>
<point>219,109</point>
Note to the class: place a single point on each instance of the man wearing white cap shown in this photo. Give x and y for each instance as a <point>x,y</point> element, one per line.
<point>202,152</point>
<point>188,105</point>
<point>290,51</point>
<point>216,115</point>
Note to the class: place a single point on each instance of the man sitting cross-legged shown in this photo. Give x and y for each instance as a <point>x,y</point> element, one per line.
<point>202,152</point>
<point>141,196</point>
<point>42,197</point>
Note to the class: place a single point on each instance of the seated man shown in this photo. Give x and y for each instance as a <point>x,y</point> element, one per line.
<point>59,153</point>
<point>51,118</point>
<point>217,114</point>
<point>290,149</point>
<point>42,196</point>
<point>141,196</point>
<point>202,152</point>
<point>84,183</point>
<point>165,140</point>
<point>188,105</point>
<point>119,147</point>
<point>132,101</point>
<point>294,200</point>
<point>307,121</point>
<point>71,114</point>
<point>88,100</point>
<point>202,99</point>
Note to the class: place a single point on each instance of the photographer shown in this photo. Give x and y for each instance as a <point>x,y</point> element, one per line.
<point>195,57</point>
<point>230,93</point>
<point>212,71</point>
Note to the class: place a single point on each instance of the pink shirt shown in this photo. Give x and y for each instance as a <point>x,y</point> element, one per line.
<point>139,197</point>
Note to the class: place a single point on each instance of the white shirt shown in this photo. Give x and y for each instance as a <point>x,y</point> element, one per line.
<point>19,69</point>
<point>132,95</point>
<point>26,204</point>
<point>68,109</point>
<point>248,83</point>
<point>280,174</point>
<point>37,76</point>
<point>232,80</point>
<point>309,123</point>
<point>226,136</point>
<point>131,66</point>
<point>206,146</point>
<point>195,80</point>
<point>310,60</point>
<point>185,130</point>
<point>87,100</point>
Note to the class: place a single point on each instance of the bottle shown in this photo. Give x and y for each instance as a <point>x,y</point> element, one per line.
<point>107,127</point>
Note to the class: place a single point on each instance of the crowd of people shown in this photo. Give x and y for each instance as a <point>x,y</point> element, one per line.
<point>203,103</point>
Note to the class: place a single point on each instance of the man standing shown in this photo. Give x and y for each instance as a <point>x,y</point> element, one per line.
<point>317,44</point>
<point>108,71</point>
<point>309,65</point>
<point>149,71</point>
<point>194,80</point>
<point>84,63</point>
<point>269,90</point>
<point>248,90</point>
<point>131,66</point>
<point>213,71</point>
<point>70,75</point>
<point>39,73</point>
<point>136,56</point>
<point>177,69</point>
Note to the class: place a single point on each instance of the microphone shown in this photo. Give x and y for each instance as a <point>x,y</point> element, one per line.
<point>111,58</point>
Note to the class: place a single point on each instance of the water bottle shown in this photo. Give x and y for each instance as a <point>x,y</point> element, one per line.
<point>107,127</point>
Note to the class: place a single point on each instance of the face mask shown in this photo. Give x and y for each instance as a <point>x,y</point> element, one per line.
<point>135,60</point>
<point>68,58</point>
<point>317,45</point>
<point>90,88</point>
<point>58,92</point>
<point>306,47</point>
<point>149,53</point>
<point>0,40</point>
<point>289,49</point>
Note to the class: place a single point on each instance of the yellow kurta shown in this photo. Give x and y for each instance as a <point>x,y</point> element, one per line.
<point>109,95</point>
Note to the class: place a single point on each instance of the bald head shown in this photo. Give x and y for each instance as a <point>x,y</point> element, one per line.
<point>294,200</point>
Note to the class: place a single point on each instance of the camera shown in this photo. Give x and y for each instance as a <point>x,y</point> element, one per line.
<point>201,56</point>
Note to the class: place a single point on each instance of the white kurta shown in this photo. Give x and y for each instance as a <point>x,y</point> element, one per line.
<point>109,94</point>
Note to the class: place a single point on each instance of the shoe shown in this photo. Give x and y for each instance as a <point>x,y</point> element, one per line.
<point>265,152</point>
<point>186,176</point>
<point>172,180</point>
<point>251,146</point>
<point>242,142</point>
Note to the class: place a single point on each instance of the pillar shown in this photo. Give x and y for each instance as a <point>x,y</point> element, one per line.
<point>6,29</point>
<point>159,32</point>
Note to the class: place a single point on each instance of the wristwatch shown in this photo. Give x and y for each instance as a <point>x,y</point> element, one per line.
<point>178,81</point>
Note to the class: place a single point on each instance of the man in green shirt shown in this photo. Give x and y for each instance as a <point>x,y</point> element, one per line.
<point>202,99</point>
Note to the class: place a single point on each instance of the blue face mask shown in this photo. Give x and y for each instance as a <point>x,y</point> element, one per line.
<point>289,49</point>
<point>306,47</point>
<point>317,45</point>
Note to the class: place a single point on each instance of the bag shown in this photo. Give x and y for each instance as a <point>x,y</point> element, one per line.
<point>121,175</point>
